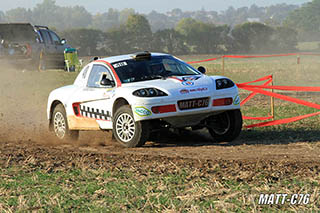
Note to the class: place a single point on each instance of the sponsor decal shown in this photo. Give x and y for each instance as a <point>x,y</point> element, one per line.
<point>142,111</point>
<point>236,100</point>
<point>187,83</point>
<point>120,64</point>
<point>184,91</point>
<point>109,93</point>
<point>200,89</point>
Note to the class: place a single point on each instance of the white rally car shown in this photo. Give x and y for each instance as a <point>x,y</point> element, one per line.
<point>137,94</point>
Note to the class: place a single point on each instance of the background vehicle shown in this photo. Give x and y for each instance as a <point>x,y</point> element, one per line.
<point>36,46</point>
<point>139,94</point>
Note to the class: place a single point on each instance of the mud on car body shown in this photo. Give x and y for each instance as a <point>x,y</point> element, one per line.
<point>138,94</point>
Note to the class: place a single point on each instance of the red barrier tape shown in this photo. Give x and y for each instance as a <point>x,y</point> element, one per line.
<point>287,88</point>
<point>284,97</point>
<point>258,80</point>
<point>258,56</point>
<point>205,60</point>
<point>255,89</point>
<point>282,121</point>
<point>253,94</point>
<point>254,56</point>
<point>257,118</point>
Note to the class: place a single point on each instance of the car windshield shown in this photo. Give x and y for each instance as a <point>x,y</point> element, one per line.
<point>155,68</point>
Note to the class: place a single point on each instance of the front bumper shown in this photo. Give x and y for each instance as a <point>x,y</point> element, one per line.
<point>178,117</point>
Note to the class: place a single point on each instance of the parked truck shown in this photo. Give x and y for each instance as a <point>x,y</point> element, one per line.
<point>31,46</point>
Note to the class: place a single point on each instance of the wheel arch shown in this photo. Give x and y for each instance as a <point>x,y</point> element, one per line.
<point>118,103</point>
<point>53,105</point>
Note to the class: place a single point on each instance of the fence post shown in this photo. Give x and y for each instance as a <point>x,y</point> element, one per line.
<point>298,59</point>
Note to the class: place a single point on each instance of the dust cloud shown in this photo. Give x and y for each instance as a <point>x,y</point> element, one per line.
<point>23,103</point>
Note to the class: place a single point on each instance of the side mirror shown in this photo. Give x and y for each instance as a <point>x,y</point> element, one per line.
<point>63,41</point>
<point>202,69</point>
<point>107,82</point>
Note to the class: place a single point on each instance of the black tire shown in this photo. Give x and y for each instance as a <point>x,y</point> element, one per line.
<point>60,125</point>
<point>226,126</point>
<point>128,132</point>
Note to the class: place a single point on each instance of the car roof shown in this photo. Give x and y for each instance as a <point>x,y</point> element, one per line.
<point>113,59</point>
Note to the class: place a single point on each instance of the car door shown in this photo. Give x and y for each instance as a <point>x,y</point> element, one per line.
<point>49,48</point>
<point>58,48</point>
<point>98,98</point>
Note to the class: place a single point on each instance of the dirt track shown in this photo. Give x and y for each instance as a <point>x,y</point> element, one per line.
<point>24,133</point>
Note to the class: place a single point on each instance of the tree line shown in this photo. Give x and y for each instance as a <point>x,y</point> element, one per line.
<point>277,28</point>
<point>188,37</point>
<point>62,18</point>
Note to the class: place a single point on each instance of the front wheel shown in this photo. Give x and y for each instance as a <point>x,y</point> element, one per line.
<point>128,132</point>
<point>226,126</point>
<point>60,125</point>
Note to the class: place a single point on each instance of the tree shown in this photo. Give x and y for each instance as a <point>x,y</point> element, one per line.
<point>46,12</point>
<point>62,18</point>
<point>19,15</point>
<point>159,21</point>
<point>117,41</point>
<point>139,32</point>
<point>125,14</point>
<point>306,20</point>
<point>77,16</point>
<point>253,37</point>
<point>106,21</point>
<point>88,42</point>
<point>203,38</point>
<point>286,39</point>
<point>170,41</point>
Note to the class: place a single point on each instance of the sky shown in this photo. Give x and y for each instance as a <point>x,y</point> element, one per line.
<point>146,6</point>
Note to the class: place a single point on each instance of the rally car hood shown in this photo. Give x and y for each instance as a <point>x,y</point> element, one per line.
<point>17,32</point>
<point>177,85</point>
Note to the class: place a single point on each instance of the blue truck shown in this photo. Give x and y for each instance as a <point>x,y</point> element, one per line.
<point>31,46</point>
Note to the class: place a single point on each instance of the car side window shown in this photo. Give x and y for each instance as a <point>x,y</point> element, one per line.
<point>45,36</point>
<point>97,73</point>
<point>39,37</point>
<point>55,38</point>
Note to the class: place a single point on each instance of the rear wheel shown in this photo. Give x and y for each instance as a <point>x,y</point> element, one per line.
<point>128,132</point>
<point>225,126</point>
<point>60,125</point>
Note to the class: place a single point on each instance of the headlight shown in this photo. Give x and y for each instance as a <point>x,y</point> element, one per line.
<point>224,83</point>
<point>149,92</point>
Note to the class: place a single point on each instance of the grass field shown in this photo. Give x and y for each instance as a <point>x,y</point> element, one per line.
<point>83,189</point>
<point>34,177</point>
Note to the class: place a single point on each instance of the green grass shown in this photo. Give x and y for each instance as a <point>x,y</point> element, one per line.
<point>81,190</point>
<point>308,46</point>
